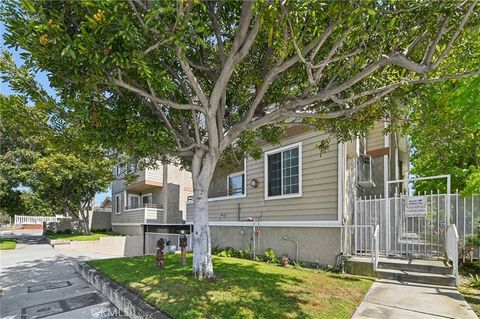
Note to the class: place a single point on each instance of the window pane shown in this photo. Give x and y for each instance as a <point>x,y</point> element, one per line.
<point>134,202</point>
<point>235,185</point>
<point>274,175</point>
<point>290,171</point>
<point>147,200</point>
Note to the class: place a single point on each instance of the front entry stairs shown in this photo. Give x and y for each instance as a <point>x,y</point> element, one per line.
<point>432,272</point>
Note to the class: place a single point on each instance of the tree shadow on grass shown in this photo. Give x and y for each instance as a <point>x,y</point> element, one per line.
<point>242,289</point>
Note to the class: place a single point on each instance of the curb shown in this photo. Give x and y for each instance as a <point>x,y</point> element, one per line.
<point>54,242</point>
<point>129,303</point>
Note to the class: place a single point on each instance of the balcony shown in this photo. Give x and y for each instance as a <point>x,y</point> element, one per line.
<point>152,213</point>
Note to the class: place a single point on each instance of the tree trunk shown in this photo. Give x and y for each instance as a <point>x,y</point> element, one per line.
<point>202,172</point>
<point>84,222</point>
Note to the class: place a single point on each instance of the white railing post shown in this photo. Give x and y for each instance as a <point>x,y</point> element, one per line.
<point>376,253</point>
<point>451,244</point>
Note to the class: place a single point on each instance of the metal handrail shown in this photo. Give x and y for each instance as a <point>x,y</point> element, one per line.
<point>451,244</point>
<point>376,252</point>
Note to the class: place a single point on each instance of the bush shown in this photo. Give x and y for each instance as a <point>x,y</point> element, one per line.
<point>270,256</point>
<point>228,252</point>
<point>474,281</point>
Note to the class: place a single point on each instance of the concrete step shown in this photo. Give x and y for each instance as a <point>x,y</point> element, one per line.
<point>416,265</point>
<point>415,276</point>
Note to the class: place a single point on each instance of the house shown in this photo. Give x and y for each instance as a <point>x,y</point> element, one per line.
<point>156,198</point>
<point>106,204</point>
<point>296,200</point>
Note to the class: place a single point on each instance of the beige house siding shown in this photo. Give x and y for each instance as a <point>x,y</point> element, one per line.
<point>128,217</point>
<point>375,137</point>
<point>319,198</point>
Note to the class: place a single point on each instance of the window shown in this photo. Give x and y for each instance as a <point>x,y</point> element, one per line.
<point>147,200</point>
<point>133,201</point>
<point>132,167</point>
<point>118,170</point>
<point>117,205</point>
<point>283,172</point>
<point>236,184</point>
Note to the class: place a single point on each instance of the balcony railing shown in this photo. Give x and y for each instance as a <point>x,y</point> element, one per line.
<point>143,206</point>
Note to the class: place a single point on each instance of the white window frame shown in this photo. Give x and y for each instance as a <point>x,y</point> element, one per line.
<point>146,195</point>
<point>129,167</point>
<point>234,175</point>
<point>118,205</point>
<point>118,170</point>
<point>129,196</point>
<point>300,172</point>
<point>244,195</point>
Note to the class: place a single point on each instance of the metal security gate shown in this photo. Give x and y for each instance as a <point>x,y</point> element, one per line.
<point>416,225</point>
<point>371,211</point>
<point>417,235</point>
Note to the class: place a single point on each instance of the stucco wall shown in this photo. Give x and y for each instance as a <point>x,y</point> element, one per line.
<point>115,246</point>
<point>128,230</point>
<point>316,245</point>
<point>100,220</point>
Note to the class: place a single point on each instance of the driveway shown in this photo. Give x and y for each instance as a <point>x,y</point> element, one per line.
<point>38,281</point>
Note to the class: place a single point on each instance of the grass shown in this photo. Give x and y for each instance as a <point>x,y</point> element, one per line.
<point>243,289</point>
<point>8,243</point>
<point>79,237</point>
<point>471,294</point>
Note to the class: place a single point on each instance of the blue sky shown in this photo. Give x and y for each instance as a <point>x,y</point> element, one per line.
<point>42,78</point>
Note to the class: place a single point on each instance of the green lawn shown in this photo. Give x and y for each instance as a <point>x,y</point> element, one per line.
<point>243,289</point>
<point>80,237</point>
<point>471,295</point>
<point>8,243</point>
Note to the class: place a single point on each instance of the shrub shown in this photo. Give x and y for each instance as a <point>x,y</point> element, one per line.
<point>474,281</point>
<point>270,256</point>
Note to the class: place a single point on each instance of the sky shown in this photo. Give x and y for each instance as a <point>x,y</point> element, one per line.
<point>42,78</point>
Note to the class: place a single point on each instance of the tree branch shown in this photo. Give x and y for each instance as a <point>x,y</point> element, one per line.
<point>456,34</point>
<point>142,92</point>
<point>240,47</point>
<point>192,78</point>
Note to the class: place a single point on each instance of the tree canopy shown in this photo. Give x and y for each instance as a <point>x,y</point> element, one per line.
<point>47,168</point>
<point>196,80</point>
<point>445,135</point>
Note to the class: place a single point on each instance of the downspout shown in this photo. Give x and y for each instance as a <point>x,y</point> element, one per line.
<point>165,193</point>
<point>296,244</point>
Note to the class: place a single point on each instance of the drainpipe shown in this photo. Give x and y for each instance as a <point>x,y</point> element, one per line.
<point>296,244</point>
<point>165,193</point>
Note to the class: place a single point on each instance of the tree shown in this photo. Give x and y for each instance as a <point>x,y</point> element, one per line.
<point>196,80</point>
<point>19,149</point>
<point>445,135</point>
<point>50,160</point>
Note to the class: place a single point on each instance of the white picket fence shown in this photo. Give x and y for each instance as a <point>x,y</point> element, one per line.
<point>34,220</point>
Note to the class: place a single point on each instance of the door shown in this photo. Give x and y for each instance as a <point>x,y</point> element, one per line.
<point>417,225</point>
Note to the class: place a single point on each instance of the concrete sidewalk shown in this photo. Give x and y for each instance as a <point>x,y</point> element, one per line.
<point>39,282</point>
<point>392,299</point>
